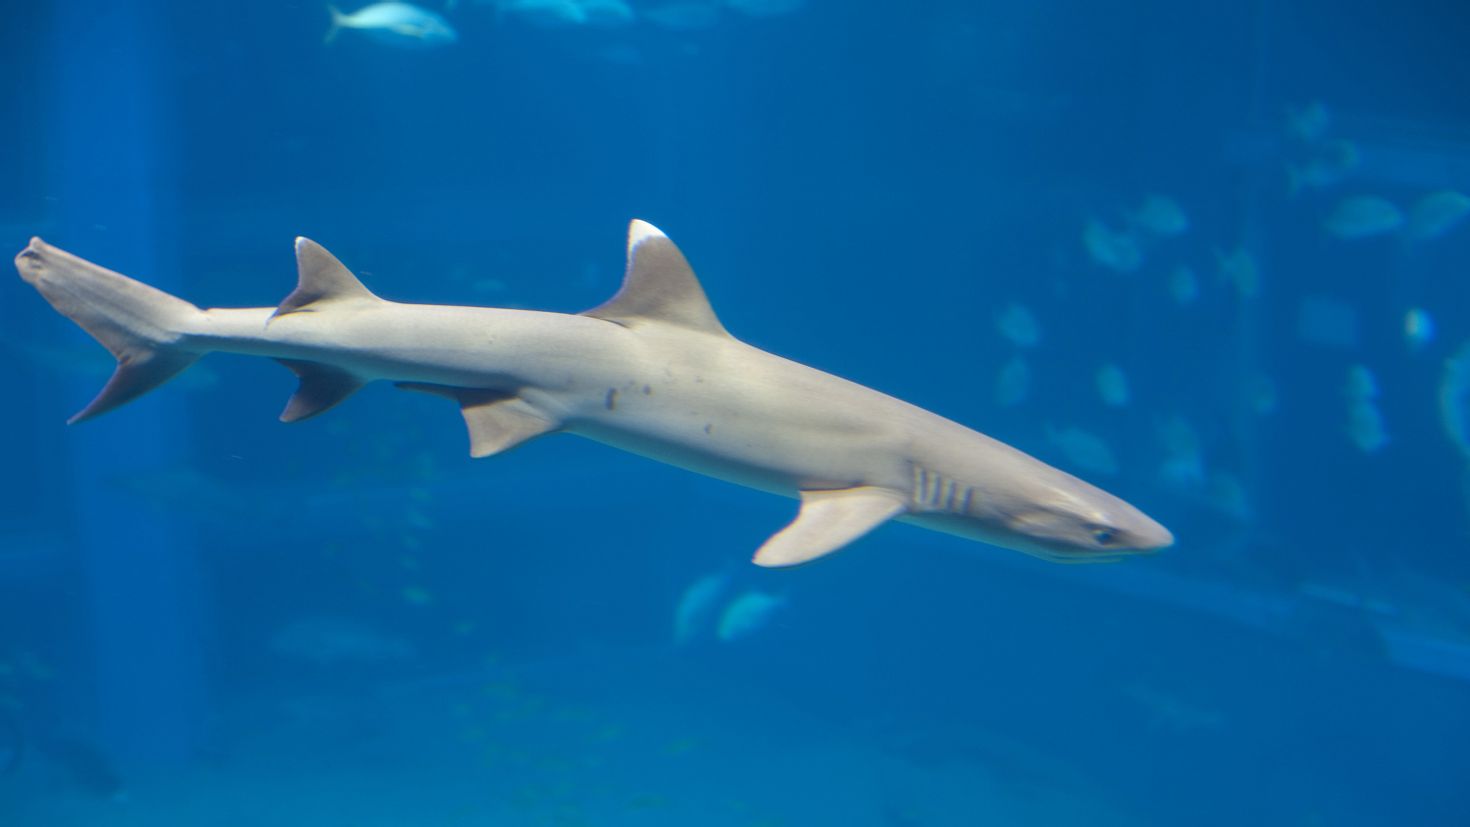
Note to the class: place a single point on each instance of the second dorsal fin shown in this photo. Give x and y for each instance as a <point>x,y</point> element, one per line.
<point>320,279</point>
<point>658,286</point>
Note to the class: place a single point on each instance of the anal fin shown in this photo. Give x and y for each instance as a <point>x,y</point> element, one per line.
<point>322,387</point>
<point>497,421</point>
<point>829,520</point>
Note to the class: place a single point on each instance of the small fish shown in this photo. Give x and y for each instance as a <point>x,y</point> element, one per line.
<point>1365,426</point>
<point>1363,216</point>
<point>1169,713</point>
<point>607,13</point>
<point>1332,165</point>
<point>1019,326</point>
<point>1361,384</point>
<point>684,15</point>
<point>1112,385</point>
<point>1085,450</point>
<point>1228,495</point>
<point>1365,422</point>
<point>766,8</point>
<point>1013,384</point>
<point>1260,393</point>
<point>1184,463</point>
<point>1238,268</point>
<point>335,641</point>
<point>748,614</point>
<point>697,604</point>
<point>1183,285</point>
<point>1418,328</point>
<point>1161,216</point>
<point>1436,214</point>
<point>547,14</point>
<point>1114,250</point>
<point>1308,123</point>
<point>395,24</point>
<point>1454,399</point>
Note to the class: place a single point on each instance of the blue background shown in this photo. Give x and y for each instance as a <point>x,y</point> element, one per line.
<point>861,186</point>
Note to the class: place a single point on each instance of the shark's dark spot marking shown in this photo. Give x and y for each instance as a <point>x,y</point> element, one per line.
<point>647,391</point>
<point>708,427</point>
<point>611,400</point>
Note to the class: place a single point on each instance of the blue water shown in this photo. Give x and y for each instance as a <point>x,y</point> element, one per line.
<point>208,617</point>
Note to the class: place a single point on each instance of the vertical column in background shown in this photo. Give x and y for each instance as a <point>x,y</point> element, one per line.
<point>111,171</point>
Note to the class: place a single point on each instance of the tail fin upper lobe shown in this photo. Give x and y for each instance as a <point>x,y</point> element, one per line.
<point>145,328</point>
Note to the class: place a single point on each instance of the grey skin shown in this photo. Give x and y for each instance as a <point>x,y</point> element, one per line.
<point>651,371</point>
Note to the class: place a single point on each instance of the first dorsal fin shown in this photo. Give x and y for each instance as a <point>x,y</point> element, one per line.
<point>320,279</point>
<point>658,286</point>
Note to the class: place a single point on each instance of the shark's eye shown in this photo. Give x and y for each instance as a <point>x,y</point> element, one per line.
<point>1104,536</point>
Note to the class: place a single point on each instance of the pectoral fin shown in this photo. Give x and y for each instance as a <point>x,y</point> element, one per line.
<point>829,520</point>
<point>497,421</point>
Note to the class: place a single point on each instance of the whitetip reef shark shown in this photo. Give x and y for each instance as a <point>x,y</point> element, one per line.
<point>651,371</point>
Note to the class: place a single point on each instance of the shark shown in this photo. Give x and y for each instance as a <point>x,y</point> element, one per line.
<point>652,371</point>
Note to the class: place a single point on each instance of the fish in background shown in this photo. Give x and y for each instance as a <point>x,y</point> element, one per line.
<point>1083,449</point>
<point>1418,328</point>
<point>1183,285</point>
<point>1436,214</point>
<point>703,612</point>
<point>1117,250</point>
<point>696,606</point>
<point>552,14</point>
<point>1160,216</point>
<point>1454,400</point>
<point>1013,383</point>
<point>338,641</point>
<point>549,14</point>
<point>1329,165</point>
<point>1112,385</point>
<point>1309,123</point>
<point>747,614</point>
<point>1260,393</point>
<point>1019,325</point>
<point>1228,495</point>
<point>1363,216</point>
<point>1361,384</point>
<point>1238,268</point>
<point>1170,713</point>
<point>607,13</point>
<point>766,8</point>
<point>12,742</point>
<point>1365,427</point>
<point>1184,463</point>
<point>684,15</point>
<point>403,25</point>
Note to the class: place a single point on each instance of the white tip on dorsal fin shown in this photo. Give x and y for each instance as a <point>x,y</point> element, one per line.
<point>829,520</point>
<point>320,279</point>
<point>658,286</point>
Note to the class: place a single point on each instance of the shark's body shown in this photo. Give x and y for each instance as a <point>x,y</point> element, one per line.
<point>652,371</point>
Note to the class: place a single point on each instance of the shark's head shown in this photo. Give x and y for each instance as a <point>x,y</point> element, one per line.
<point>1071,521</point>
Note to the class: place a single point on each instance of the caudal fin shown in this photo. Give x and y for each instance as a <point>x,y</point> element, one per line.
<point>143,327</point>
<point>337,18</point>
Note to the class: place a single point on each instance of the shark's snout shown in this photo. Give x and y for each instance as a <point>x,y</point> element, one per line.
<point>1151,535</point>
